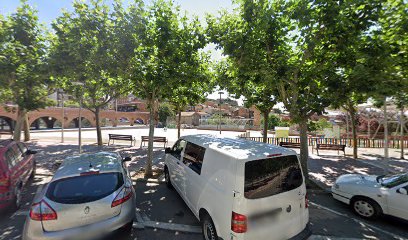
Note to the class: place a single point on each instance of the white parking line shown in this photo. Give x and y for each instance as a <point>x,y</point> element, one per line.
<point>358,221</point>
<point>319,237</point>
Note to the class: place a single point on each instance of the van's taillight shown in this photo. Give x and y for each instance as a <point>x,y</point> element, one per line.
<point>238,223</point>
<point>124,195</point>
<point>42,211</point>
<point>306,201</point>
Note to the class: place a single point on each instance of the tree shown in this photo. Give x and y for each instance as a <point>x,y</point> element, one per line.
<point>160,55</point>
<point>283,47</point>
<point>84,51</point>
<point>355,58</point>
<point>23,74</point>
<point>251,38</point>
<point>393,33</point>
<point>165,111</point>
<point>193,88</point>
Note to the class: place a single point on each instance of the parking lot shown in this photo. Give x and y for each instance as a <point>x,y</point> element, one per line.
<point>162,214</point>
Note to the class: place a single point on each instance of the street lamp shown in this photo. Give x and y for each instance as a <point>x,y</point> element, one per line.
<point>220,110</point>
<point>61,92</point>
<point>80,116</point>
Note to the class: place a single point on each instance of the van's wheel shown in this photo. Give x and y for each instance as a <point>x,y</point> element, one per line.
<point>17,198</point>
<point>208,227</point>
<point>167,178</point>
<point>366,207</point>
<point>32,175</point>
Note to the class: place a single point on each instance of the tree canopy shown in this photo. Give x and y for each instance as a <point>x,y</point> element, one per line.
<point>23,64</point>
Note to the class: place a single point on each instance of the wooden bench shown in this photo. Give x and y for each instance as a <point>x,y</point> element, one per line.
<point>338,147</point>
<point>119,137</point>
<point>289,145</point>
<point>155,139</point>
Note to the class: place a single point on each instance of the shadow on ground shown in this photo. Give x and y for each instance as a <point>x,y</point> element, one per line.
<point>163,204</point>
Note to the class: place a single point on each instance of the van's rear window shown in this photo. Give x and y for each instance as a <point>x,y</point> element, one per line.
<point>82,189</point>
<point>271,176</point>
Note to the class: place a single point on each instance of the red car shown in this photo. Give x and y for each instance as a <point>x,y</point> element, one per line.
<point>17,166</point>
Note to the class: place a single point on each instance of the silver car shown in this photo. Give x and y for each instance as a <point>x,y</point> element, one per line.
<point>90,196</point>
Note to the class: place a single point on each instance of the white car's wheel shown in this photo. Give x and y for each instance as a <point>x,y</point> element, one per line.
<point>366,207</point>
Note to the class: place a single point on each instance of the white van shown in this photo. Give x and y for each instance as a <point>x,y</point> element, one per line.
<point>240,189</point>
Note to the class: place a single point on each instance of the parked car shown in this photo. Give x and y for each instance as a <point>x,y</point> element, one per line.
<point>372,196</point>
<point>17,165</point>
<point>89,196</point>
<point>239,189</point>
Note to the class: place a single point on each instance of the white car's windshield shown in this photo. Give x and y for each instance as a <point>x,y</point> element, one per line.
<point>393,180</point>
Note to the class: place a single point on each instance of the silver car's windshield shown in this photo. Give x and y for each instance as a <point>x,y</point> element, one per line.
<point>394,180</point>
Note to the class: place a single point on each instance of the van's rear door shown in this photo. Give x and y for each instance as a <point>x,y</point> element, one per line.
<point>272,197</point>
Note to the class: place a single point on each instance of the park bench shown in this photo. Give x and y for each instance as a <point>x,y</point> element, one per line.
<point>155,139</point>
<point>119,137</point>
<point>338,147</point>
<point>289,145</point>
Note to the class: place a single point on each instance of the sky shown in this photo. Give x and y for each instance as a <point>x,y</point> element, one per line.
<point>48,10</point>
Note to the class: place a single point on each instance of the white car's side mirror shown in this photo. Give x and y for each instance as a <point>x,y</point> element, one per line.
<point>403,191</point>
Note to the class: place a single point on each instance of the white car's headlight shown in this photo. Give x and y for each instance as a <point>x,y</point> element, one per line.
<point>336,186</point>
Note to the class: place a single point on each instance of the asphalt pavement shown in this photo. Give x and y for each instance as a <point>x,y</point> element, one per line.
<point>164,215</point>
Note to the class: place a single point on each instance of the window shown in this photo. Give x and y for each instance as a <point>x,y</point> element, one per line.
<point>193,157</point>
<point>76,190</point>
<point>178,148</point>
<point>271,176</point>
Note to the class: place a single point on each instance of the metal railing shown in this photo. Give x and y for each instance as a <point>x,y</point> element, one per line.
<point>361,142</point>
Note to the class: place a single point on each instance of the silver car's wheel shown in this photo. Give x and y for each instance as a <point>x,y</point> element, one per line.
<point>366,208</point>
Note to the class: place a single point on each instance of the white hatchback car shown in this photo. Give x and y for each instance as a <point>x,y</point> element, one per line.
<point>371,196</point>
<point>240,189</point>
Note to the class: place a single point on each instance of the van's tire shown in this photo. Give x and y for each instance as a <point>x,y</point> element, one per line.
<point>167,178</point>
<point>18,195</point>
<point>366,208</point>
<point>32,175</point>
<point>208,227</point>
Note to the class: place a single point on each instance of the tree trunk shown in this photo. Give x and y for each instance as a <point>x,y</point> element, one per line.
<point>402,132</point>
<point>304,148</point>
<point>98,126</point>
<point>386,136</point>
<point>353,119</point>
<point>26,129</point>
<point>178,123</point>
<point>148,168</point>
<point>19,125</point>
<point>265,127</point>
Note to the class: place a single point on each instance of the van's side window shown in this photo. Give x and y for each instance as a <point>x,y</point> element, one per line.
<point>178,148</point>
<point>194,156</point>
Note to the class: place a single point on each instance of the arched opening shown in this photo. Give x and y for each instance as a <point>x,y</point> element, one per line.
<point>44,123</point>
<point>85,123</point>
<point>139,121</point>
<point>123,121</point>
<point>106,122</point>
<point>6,124</point>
